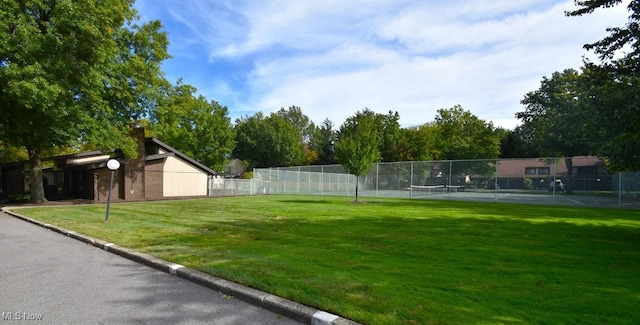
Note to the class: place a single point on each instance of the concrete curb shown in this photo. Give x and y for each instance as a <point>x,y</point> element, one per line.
<point>256,297</point>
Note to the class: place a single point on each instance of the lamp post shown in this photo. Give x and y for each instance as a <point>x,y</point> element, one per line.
<point>113,165</point>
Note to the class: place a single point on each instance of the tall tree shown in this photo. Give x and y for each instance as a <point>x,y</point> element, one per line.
<point>268,141</point>
<point>620,50</point>
<point>356,148</point>
<point>517,143</point>
<point>462,135</point>
<point>610,107</point>
<point>323,141</point>
<point>612,87</point>
<point>299,120</point>
<point>388,135</point>
<point>417,143</point>
<point>555,116</point>
<point>195,126</point>
<point>60,64</point>
<point>305,127</point>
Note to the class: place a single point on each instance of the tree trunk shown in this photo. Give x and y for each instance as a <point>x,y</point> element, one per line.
<point>357,181</point>
<point>568,188</point>
<point>35,176</point>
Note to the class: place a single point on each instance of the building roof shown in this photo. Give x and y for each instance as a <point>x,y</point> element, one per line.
<point>174,152</point>
<point>98,159</point>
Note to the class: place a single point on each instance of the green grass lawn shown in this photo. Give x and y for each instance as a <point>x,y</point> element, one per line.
<point>395,261</point>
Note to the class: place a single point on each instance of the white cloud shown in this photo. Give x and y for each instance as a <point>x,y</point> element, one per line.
<point>335,57</point>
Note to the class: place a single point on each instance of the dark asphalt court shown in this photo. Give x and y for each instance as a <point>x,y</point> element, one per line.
<point>48,278</point>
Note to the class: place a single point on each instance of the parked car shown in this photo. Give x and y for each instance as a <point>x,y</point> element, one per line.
<point>558,185</point>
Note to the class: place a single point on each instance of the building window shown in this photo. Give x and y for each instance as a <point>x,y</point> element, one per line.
<point>530,171</point>
<point>543,170</point>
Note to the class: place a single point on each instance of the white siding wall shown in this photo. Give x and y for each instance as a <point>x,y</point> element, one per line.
<point>182,179</point>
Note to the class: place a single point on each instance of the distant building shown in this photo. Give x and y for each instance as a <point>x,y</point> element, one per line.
<point>589,173</point>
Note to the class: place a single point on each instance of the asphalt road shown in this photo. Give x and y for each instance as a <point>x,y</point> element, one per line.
<point>48,278</point>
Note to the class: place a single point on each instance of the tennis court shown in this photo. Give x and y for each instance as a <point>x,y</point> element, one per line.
<point>528,181</point>
<point>459,193</point>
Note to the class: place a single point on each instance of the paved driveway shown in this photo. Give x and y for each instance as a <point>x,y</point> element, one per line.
<point>58,280</point>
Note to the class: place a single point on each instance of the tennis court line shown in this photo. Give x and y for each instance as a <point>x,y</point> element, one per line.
<point>574,201</point>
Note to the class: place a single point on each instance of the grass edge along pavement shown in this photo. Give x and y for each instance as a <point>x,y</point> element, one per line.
<point>256,297</point>
<point>396,261</point>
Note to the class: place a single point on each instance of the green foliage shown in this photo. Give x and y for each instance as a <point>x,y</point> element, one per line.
<point>388,128</point>
<point>268,141</point>
<point>517,143</point>
<point>357,145</point>
<point>9,153</point>
<point>417,143</point>
<point>299,120</point>
<point>305,128</point>
<point>612,87</point>
<point>528,183</point>
<point>462,135</point>
<point>356,148</point>
<point>198,128</point>
<point>593,112</point>
<point>610,103</point>
<point>74,71</point>
<point>322,141</point>
<point>554,116</point>
<point>620,50</point>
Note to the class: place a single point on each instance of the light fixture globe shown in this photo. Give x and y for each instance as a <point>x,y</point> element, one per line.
<point>113,164</point>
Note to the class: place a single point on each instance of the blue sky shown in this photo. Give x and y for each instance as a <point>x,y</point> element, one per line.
<point>335,57</point>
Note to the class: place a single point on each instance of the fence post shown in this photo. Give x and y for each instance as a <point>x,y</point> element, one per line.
<point>346,180</point>
<point>450,171</point>
<point>411,181</point>
<point>555,175</point>
<point>619,190</point>
<point>271,170</point>
<point>309,185</point>
<point>495,186</point>
<point>377,177</point>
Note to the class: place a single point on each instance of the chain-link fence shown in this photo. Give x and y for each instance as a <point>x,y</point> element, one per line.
<point>219,186</point>
<point>329,179</point>
<point>579,181</point>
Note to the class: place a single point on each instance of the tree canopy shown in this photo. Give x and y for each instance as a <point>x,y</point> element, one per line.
<point>462,135</point>
<point>195,126</point>
<point>417,143</point>
<point>554,114</point>
<point>357,148</point>
<point>611,87</point>
<point>270,141</point>
<point>323,141</point>
<point>74,71</point>
<point>620,50</point>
